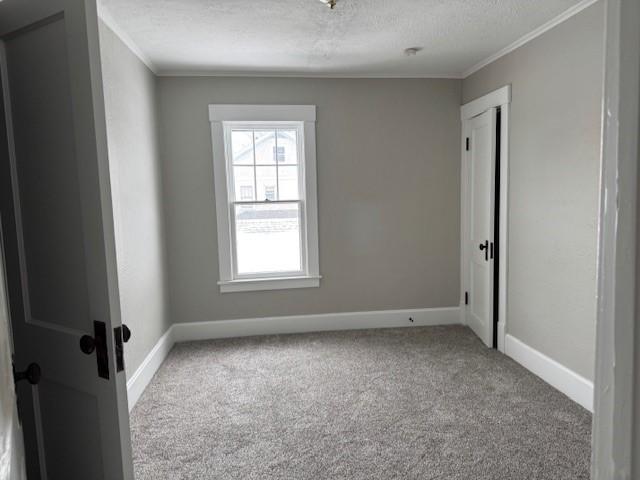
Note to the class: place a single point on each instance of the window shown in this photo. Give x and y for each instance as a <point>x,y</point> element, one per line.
<point>265,182</point>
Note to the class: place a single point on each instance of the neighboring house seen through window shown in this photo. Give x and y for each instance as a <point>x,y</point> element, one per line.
<point>264,161</point>
<point>246,193</point>
<point>279,153</point>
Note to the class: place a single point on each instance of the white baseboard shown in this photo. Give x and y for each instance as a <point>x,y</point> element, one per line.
<point>568,382</point>
<point>315,323</point>
<point>184,332</point>
<point>149,366</point>
<point>574,386</point>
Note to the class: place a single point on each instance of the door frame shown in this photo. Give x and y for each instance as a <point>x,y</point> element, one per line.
<point>500,98</point>
<point>616,429</point>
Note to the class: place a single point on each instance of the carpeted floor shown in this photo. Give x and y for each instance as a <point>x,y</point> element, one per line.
<point>410,403</point>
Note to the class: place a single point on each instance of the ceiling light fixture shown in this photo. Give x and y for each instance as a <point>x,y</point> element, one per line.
<point>412,51</point>
<point>330,3</point>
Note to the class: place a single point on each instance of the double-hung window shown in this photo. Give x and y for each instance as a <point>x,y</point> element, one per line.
<point>266,202</point>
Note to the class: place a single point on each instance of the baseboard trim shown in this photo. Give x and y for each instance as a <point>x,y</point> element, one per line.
<point>184,332</point>
<point>149,366</point>
<point>574,386</point>
<point>209,330</point>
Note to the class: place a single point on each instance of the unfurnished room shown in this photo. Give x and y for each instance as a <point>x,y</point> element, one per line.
<point>319,239</point>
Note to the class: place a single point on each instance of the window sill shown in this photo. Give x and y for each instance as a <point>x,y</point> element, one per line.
<point>258,284</point>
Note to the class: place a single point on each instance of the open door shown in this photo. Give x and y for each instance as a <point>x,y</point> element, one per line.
<point>480,165</point>
<point>59,243</point>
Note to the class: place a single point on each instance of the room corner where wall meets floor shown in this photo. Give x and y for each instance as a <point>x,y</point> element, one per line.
<point>577,388</point>
<point>198,331</point>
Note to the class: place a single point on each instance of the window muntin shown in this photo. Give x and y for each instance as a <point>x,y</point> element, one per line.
<point>265,182</point>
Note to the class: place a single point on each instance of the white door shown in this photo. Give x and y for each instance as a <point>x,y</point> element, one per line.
<point>480,160</point>
<point>59,243</point>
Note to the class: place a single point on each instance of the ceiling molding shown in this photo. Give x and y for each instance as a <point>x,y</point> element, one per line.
<point>566,15</point>
<point>213,73</point>
<point>109,21</point>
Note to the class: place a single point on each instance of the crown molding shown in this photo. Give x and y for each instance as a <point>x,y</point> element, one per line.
<point>213,73</point>
<point>566,15</point>
<point>108,19</point>
<point>110,22</point>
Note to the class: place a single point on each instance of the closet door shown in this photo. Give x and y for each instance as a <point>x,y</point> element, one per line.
<point>480,165</point>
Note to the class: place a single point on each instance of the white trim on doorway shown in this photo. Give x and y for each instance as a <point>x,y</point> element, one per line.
<point>498,98</point>
<point>616,406</point>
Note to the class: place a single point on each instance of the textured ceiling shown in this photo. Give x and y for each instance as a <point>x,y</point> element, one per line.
<point>305,37</point>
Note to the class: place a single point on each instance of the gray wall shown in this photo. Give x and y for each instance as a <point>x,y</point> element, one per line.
<point>554,185</point>
<point>130,102</point>
<point>388,185</point>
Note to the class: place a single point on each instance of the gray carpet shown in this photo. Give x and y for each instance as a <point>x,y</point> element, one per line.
<point>411,403</point>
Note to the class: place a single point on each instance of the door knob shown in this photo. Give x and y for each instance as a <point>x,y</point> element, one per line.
<point>485,246</point>
<point>32,374</point>
<point>126,333</point>
<point>87,344</point>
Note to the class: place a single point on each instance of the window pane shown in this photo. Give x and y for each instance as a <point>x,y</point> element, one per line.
<point>268,238</point>
<point>242,147</point>
<point>267,183</point>
<point>288,182</point>
<point>287,147</point>
<point>244,184</point>
<point>265,147</point>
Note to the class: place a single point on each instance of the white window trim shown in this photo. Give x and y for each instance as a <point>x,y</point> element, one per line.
<point>218,115</point>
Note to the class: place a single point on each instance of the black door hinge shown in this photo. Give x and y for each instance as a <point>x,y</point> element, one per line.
<point>466,298</point>
<point>468,144</point>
